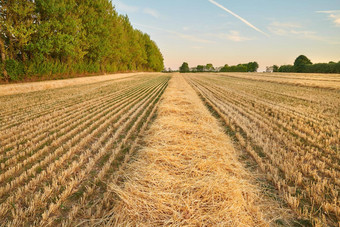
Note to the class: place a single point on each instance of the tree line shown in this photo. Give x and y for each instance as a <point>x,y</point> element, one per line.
<point>44,38</point>
<point>249,67</point>
<point>304,65</point>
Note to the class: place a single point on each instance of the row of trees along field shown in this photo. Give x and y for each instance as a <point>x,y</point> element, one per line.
<point>304,65</point>
<point>62,37</point>
<point>249,67</point>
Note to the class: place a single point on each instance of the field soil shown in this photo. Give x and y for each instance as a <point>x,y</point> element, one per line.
<point>187,174</point>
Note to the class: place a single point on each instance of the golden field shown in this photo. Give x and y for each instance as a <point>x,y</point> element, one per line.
<point>60,147</point>
<point>290,124</point>
<point>136,149</point>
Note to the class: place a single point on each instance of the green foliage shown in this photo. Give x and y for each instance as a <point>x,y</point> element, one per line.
<point>15,69</point>
<point>200,68</point>
<point>250,67</point>
<point>301,62</point>
<point>323,68</point>
<point>303,65</point>
<point>209,67</point>
<point>286,68</point>
<point>71,36</point>
<point>275,68</point>
<point>184,68</point>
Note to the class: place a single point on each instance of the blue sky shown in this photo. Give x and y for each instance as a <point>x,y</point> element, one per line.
<point>239,31</point>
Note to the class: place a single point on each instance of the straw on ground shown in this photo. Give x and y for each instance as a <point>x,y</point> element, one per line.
<point>188,173</point>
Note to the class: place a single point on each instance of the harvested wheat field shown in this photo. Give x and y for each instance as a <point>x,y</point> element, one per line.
<point>153,149</point>
<point>59,147</point>
<point>44,85</point>
<point>290,124</point>
<point>187,173</point>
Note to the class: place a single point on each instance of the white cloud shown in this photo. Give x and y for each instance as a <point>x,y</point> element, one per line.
<point>191,38</point>
<point>280,28</point>
<point>151,12</point>
<point>294,30</point>
<point>120,6</point>
<point>236,37</point>
<point>329,11</point>
<point>237,16</point>
<point>333,15</point>
<point>233,35</point>
<point>125,8</point>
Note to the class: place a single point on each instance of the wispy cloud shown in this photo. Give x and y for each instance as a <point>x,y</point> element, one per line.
<point>120,6</point>
<point>280,28</point>
<point>234,36</point>
<point>188,37</point>
<point>295,30</point>
<point>333,15</point>
<point>151,12</point>
<point>125,8</point>
<point>238,17</point>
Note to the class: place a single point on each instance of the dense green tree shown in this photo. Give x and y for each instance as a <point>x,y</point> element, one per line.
<point>225,68</point>
<point>96,35</point>
<point>249,67</point>
<point>44,37</point>
<point>59,35</point>
<point>301,62</point>
<point>323,68</point>
<point>303,65</point>
<point>275,68</point>
<point>240,68</point>
<point>252,66</point>
<point>17,27</point>
<point>286,68</point>
<point>209,67</point>
<point>184,68</point>
<point>200,68</point>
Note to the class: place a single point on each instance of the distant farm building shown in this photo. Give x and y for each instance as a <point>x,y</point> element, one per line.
<point>269,69</point>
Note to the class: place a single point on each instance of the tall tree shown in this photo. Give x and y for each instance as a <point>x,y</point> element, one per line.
<point>200,68</point>
<point>209,67</point>
<point>17,27</point>
<point>301,62</point>
<point>275,68</point>
<point>184,68</point>
<point>59,32</point>
<point>252,66</point>
<point>66,36</point>
<point>18,24</point>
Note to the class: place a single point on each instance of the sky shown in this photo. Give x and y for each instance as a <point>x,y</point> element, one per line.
<point>238,31</point>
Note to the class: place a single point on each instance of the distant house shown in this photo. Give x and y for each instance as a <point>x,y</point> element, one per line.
<point>193,69</point>
<point>217,69</point>
<point>269,69</point>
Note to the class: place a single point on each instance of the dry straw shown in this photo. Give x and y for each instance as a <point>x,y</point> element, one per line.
<point>187,174</point>
<point>44,85</point>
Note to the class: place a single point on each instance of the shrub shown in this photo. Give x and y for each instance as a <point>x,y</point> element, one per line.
<point>15,69</point>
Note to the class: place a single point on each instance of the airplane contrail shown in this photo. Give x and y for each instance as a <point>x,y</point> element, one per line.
<point>238,17</point>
